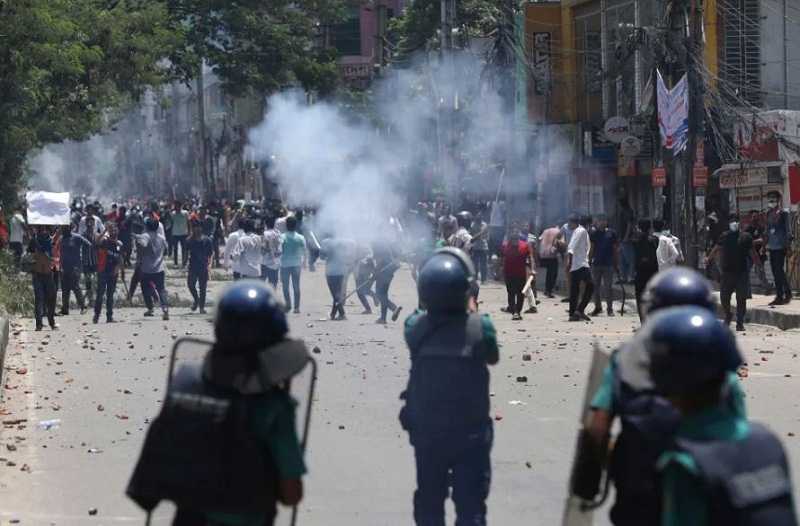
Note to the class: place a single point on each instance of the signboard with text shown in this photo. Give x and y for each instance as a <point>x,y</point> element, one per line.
<point>743,178</point>
<point>700,176</point>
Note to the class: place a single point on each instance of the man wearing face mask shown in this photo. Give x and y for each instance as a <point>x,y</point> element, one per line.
<point>734,248</point>
<point>778,239</point>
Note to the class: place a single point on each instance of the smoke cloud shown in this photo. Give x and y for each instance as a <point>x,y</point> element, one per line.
<point>359,172</point>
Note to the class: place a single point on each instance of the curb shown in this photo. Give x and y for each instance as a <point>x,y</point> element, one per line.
<point>4,328</point>
<point>771,317</point>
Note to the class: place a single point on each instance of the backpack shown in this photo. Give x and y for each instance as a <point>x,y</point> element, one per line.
<point>200,454</point>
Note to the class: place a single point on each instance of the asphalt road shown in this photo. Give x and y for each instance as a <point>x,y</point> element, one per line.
<point>105,381</point>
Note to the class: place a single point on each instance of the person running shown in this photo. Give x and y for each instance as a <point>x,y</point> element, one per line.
<point>200,250</point>
<point>385,267</point>
<point>365,276</point>
<point>109,258</point>
<point>338,254</point>
<point>153,247</point>
<point>293,250</point>
<point>72,247</point>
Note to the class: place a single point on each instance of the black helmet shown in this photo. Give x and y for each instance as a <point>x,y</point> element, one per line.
<point>464,219</point>
<point>689,348</point>
<point>445,280</point>
<point>249,318</point>
<point>678,286</point>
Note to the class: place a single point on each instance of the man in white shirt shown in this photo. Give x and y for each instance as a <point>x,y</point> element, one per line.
<point>230,244</point>
<point>16,235</point>
<point>667,253</point>
<point>462,239</point>
<point>578,264</point>
<point>247,251</point>
<point>99,227</point>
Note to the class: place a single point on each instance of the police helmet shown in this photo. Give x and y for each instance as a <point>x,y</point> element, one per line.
<point>445,280</point>
<point>249,318</point>
<point>464,219</point>
<point>678,286</point>
<point>689,349</point>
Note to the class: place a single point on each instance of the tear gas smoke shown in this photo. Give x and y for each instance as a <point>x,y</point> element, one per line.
<point>358,173</point>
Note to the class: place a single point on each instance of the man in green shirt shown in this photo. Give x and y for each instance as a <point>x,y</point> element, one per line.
<point>721,469</point>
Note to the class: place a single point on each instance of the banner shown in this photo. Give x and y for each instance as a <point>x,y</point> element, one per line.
<point>673,114</point>
<point>48,208</point>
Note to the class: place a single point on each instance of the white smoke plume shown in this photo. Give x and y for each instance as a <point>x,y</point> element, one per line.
<point>357,172</point>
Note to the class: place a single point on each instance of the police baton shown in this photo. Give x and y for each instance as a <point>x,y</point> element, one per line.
<point>367,283</point>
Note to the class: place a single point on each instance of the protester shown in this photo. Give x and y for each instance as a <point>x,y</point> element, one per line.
<point>667,252</point>
<point>548,258</point>
<point>645,246</point>
<point>516,257</point>
<point>230,246</point>
<point>626,223</point>
<point>529,290</point>
<point>89,254</point>
<point>248,251</point>
<point>735,249</point>
<point>580,269</point>
<point>153,247</point>
<point>293,250</point>
<point>565,237</point>
<point>480,247</point>
<point>200,250</point>
<point>271,253</point>
<point>180,232</point>
<point>17,235</point>
<point>72,247</point>
<point>339,255</point>
<point>44,291</point>
<point>365,277</point>
<point>386,265</point>
<point>778,241</point>
<point>3,230</point>
<point>605,260</point>
<point>90,224</point>
<point>109,260</point>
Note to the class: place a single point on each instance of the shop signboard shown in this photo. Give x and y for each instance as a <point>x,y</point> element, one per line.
<point>743,178</point>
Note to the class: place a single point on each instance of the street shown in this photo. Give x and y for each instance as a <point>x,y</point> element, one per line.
<point>104,382</point>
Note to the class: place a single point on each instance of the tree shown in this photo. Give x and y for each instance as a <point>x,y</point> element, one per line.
<point>65,65</point>
<point>258,46</point>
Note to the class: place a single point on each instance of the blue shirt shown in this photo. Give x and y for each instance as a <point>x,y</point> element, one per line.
<point>604,242</point>
<point>294,248</point>
<point>71,248</point>
<point>200,250</point>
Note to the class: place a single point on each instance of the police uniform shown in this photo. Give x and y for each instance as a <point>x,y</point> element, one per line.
<point>447,412</point>
<point>648,424</point>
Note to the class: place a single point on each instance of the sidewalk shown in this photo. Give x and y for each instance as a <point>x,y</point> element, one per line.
<point>784,317</point>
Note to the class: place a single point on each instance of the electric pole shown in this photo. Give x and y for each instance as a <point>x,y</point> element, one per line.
<point>201,118</point>
<point>694,64</point>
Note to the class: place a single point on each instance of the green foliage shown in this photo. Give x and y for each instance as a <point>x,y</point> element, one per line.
<point>258,46</point>
<point>64,63</point>
<point>16,291</point>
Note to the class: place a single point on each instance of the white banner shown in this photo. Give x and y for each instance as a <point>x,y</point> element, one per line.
<point>48,208</point>
<point>673,114</point>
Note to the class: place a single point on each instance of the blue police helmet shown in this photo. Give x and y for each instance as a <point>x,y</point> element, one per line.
<point>445,280</point>
<point>249,318</point>
<point>689,349</point>
<point>678,286</point>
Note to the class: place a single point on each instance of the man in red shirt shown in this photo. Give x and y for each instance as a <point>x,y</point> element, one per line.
<point>515,264</point>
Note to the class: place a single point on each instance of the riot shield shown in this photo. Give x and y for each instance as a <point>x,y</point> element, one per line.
<point>577,511</point>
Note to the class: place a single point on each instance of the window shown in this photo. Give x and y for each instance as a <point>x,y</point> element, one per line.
<point>347,35</point>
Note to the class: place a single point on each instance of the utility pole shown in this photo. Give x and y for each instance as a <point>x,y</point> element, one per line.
<point>447,105</point>
<point>694,63</point>
<point>201,117</point>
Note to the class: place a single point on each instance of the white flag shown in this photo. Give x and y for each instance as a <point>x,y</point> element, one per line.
<point>673,114</point>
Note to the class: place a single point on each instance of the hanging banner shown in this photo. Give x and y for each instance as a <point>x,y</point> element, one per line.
<point>48,208</point>
<point>673,114</point>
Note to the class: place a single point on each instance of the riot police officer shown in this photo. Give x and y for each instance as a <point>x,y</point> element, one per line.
<point>229,465</point>
<point>722,470</point>
<point>447,399</point>
<point>647,419</point>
